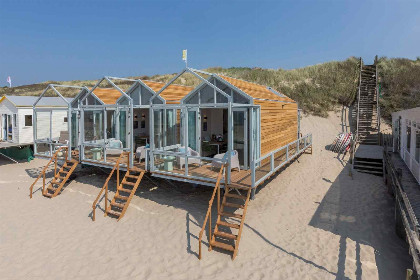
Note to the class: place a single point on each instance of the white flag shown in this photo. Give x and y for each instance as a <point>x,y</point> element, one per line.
<point>9,80</point>
<point>184,55</point>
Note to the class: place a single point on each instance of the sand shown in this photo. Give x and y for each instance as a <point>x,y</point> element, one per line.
<point>311,221</point>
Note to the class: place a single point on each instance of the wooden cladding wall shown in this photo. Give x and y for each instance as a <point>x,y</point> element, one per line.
<point>279,124</point>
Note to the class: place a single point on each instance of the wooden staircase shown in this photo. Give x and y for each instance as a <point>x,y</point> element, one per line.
<point>368,117</point>
<point>125,190</point>
<point>228,230</point>
<point>60,178</point>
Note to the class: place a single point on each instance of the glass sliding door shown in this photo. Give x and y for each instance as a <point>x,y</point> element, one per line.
<point>194,130</point>
<point>123,127</point>
<point>240,135</point>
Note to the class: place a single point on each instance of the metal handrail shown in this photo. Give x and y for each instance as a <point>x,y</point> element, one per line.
<point>53,158</point>
<point>208,214</point>
<point>105,186</point>
<point>358,97</point>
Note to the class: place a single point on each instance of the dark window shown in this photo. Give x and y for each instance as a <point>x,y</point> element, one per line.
<point>143,121</point>
<point>28,120</point>
<point>65,119</point>
<point>408,138</point>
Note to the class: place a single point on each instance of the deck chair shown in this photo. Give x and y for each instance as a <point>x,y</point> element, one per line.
<point>114,147</point>
<point>234,161</point>
<point>141,153</point>
<point>181,160</point>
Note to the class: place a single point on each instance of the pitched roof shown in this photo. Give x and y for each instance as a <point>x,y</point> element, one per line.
<point>28,101</point>
<point>172,94</point>
<point>108,96</point>
<point>255,90</point>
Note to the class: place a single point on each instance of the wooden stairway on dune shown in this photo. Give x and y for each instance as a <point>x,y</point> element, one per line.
<point>60,178</point>
<point>125,192</point>
<point>228,230</point>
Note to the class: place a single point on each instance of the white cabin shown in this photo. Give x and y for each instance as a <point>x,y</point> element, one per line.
<point>406,138</point>
<point>16,117</point>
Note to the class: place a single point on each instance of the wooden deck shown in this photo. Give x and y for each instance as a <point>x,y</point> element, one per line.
<point>241,178</point>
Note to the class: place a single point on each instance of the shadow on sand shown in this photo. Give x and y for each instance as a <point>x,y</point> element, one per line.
<point>351,209</point>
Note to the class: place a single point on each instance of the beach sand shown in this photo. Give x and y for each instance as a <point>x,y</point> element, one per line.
<point>311,221</point>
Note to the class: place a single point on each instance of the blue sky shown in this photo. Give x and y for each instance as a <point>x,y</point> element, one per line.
<point>69,40</point>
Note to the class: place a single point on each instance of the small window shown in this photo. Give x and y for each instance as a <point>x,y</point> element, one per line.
<point>143,121</point>
<point>15,120</point>
<point>28,120</point>
<point>65,119</point>
<point>408,138</point>
<point>417,154</point>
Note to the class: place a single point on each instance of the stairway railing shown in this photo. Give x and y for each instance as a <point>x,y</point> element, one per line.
<point>54,159</point>
<point>358,97</point>
<point>208,214</point>
<point>105,186</point>
<point>378,109</point>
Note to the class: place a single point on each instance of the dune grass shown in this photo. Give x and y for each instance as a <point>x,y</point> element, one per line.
<point>318,88</point>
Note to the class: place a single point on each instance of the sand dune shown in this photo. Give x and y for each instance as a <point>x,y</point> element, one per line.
<point>311,221</point>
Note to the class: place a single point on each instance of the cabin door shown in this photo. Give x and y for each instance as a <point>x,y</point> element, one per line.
<point>194,129</point>
<point>240,135</point>
<point>4,127</point>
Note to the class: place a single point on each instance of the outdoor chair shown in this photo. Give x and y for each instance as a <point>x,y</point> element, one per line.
<point>181,160</point>
<point>234,161</point>
<point>114,147</point>
<point>141,152</point>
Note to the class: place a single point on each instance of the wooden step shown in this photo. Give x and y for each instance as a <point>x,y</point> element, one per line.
<point>226,224</point>
<point>63,171</point>
<point>235,196</point>
<point>61,177</point>
<point>233,205</point>
<point>226,235</point>
<point>121,197</point>
<point>132,176</point>
<point>112,212</point>
<point>124,190</point>
<point>116,204</point>
<point>227,214</point>
<point>222,245</point>
<point>238,187</point>
<point>48,195</point>
<point>128,183</point>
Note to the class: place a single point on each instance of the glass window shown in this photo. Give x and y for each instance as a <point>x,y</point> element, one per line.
<point>14,120</point>
<point>408,138</point>
<point>28,120</point>
<point>94,126</point>
<point>417,145</point>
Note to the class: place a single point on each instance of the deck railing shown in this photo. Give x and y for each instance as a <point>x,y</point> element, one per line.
<point>208,214</point>
<point>179,162</point>
<point>282,155</point>
<point>105,186</point>
<point>54,159</point>
<point>411,224</point>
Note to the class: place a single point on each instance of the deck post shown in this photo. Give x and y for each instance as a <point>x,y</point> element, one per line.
<point>230,139</point>
<point>69,124</point>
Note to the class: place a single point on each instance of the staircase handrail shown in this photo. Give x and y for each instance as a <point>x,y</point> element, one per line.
<point>208,214</point>
<point>105,186</point>
<point>54,159</point>
<point>378,109</point>
<point>358,96</point>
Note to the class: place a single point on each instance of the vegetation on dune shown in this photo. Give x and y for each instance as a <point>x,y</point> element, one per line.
<point>318,88</point>
<point>400,82</point>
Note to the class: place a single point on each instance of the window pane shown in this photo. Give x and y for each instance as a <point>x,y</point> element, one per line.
<point>408,138</point>
<point>417,145</point>
<point>28,120</point>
